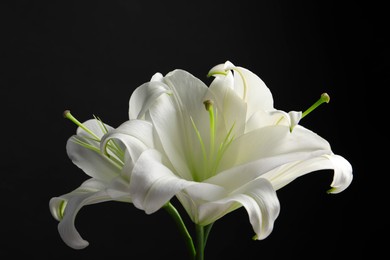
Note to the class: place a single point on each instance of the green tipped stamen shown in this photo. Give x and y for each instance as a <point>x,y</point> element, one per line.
<point>325,98</point>
<point>212,156</point>
<point>69,116</point>
<point>200,140</point>
<point>116,155</point>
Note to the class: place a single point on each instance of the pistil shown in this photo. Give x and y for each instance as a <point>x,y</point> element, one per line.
<point>325,98</point>
<point>209,107</point>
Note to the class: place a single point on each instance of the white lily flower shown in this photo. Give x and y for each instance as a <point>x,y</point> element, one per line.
<point>109,170</point>
<point>215,148</point>
<point>221,148</point>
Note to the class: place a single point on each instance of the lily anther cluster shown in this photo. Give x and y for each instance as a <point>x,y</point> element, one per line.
<point>215,148</point>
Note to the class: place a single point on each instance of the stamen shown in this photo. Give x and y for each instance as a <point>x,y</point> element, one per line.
<point>209,107</point>
<point>325,98</point>
<point>69,116</point>
<point>112,145</point>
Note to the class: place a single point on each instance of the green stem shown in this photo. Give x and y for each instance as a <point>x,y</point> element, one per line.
<point>182,228</point>
<point>202,234</point>
<point>200,242</point>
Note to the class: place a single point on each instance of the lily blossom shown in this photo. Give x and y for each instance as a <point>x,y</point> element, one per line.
<point>215,148</point>
<point>222,147</point>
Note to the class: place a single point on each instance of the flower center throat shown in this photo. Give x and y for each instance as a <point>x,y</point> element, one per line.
<point>212,155</point>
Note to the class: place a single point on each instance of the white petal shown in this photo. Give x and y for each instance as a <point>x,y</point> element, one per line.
<point>95,126</point>
<point>263,118</point>
<point>66,207</point>
<point>152,184</point>
<point>342,173</point>
<point>135,135</point>
<point>252,89</point>
<point>217,71</point>
<point>90,161</point>
<point>258,198</point>
<point>145,96</point>
<point>140,129</point>
<point>119,190</point>
<point>157,77</point>
<point>199,192</point>
<point>189,93</point>
<point>273,141</point>
<point>170,131</point>
<point>295,117</point>
<point>231,109</point>
<point>172,117</point>
<point>283,175</point>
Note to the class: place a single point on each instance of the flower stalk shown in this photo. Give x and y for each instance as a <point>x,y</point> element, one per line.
<point>182,228</point>
<point>200,242</point>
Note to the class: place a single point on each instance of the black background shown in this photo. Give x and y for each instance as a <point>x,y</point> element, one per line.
<point>88,56</point>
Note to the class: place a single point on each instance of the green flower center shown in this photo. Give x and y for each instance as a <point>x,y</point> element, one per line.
<point>213,154</point>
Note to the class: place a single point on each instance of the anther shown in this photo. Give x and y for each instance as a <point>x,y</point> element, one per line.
<point>69,116</point>
<point>208,104</point>
<point>66,113</point>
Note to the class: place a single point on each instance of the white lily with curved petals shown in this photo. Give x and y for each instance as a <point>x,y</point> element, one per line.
<point>215,148</point>
<point>223,147</point>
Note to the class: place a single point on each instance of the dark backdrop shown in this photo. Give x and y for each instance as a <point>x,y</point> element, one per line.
<point>88,56</point>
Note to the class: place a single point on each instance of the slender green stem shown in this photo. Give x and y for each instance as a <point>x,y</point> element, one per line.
<point>202,234</point>
<point>182,228</point>
<point>200,242</point>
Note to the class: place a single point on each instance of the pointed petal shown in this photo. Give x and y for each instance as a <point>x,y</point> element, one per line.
<point>283,175</point>
<point>230,107</point>
<point>273,141</point>
<point>258,198</point>
<point>252,89</point>
<point>218,70</point>
<point>145,96</point>
<point>152,184</point>
<point>172,117</point>
<point>66,207</point>
<point>342,174</point>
